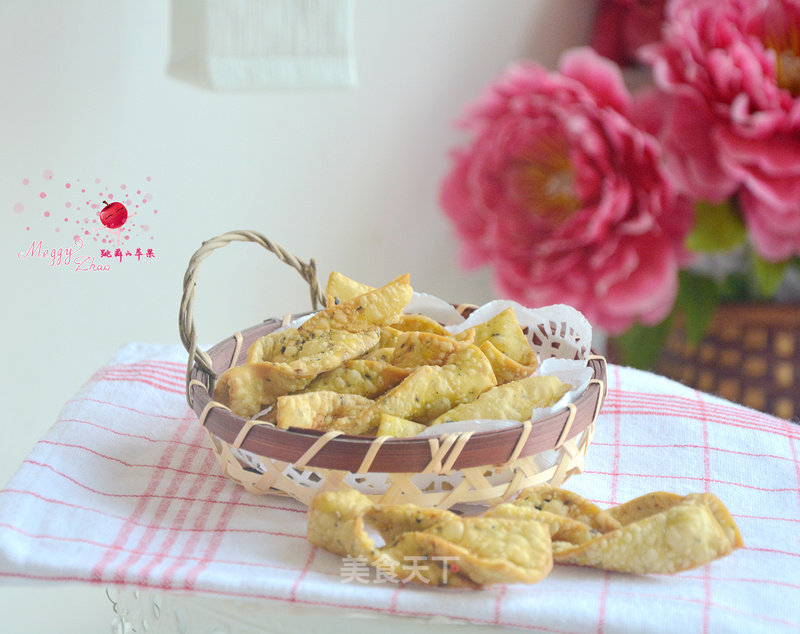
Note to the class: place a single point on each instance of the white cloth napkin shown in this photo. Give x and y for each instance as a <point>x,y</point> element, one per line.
<point>263,44</point>
<point>124,489</point>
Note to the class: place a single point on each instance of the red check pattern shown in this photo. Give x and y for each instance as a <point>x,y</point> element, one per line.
<point>124,489</point>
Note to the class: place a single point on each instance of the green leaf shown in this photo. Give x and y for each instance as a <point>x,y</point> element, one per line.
<point>640,346</point>
<point>717,227</point>
<point>769,275</point>
<point>735,288</point>
<point>698,298</point>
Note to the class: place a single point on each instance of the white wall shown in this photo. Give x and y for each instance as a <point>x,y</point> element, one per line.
<point>348,176</point>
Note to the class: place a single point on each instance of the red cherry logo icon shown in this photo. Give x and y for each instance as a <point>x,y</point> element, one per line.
<point>113,215</point>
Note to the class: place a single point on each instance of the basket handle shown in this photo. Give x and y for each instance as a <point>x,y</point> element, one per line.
<point>186,325</point>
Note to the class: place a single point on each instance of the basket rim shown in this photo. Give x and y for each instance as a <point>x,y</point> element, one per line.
<point>410,455</point>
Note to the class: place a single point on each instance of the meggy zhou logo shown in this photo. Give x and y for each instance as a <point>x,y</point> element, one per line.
<point>116,226</point>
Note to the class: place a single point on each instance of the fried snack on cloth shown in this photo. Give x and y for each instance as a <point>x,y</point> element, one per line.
<point>475,551</point>
<point>445,549</point>
<point>336,523</point>
<point>518,541</point>
<point>567,504</point>
<point>571,519</point>
<point>680,534</point>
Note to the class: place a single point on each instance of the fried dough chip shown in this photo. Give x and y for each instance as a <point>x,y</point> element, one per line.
<point>474,552</point>
<point>379,307</point>
<point>721,514</point>
<point>467,336</point>
<point>398,427</point>
<point>420,323</point>
<point>366,377</point>
<point>389,337</point>
<point>323,410</point>
<point>505,333</point>
<point>310,352</point>
<point>379,354</point>
<point>681,537</point>
<point>392,520</point>
<point>432,390</point>
<point>512,401</point>
<point>336,523</point>
<point>567,504</point>
<point>286,361</point>
<point>644,506</point>
<point>341,288</point>
<point>565,532</point>
<point>248,389</point>
<point>504,367</point>
<point>413,349</point>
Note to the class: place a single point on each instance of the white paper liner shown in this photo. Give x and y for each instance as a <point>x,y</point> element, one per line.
<point>562,339</point>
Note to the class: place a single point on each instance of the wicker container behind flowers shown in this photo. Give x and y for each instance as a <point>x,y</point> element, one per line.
<point>436,471</point>
<point>750,355</point>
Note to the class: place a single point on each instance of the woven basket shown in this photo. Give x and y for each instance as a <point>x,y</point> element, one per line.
<point>750,355</point>
<point>484,467</point>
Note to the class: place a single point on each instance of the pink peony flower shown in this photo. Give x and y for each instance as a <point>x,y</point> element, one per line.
<point>566,198</point>
<point>623,26</point>
<point>732,124</point>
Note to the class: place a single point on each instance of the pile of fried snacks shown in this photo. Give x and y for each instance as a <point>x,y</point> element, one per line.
<point>362,366</point>
<point>518,542</point>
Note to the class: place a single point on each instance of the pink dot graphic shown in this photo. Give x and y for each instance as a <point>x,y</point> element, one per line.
<point>25,181</point>
<point>42,195</point>
<point>67,185</point>
<point>47,175</point>
<point>46,214</point>
<point>19,208</point>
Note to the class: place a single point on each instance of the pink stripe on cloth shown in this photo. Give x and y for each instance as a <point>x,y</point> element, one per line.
<point>144,500</point>
<point>181,511</point>
<point>214,544</point>
<point>615,446</point>
<point>706,488</point>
